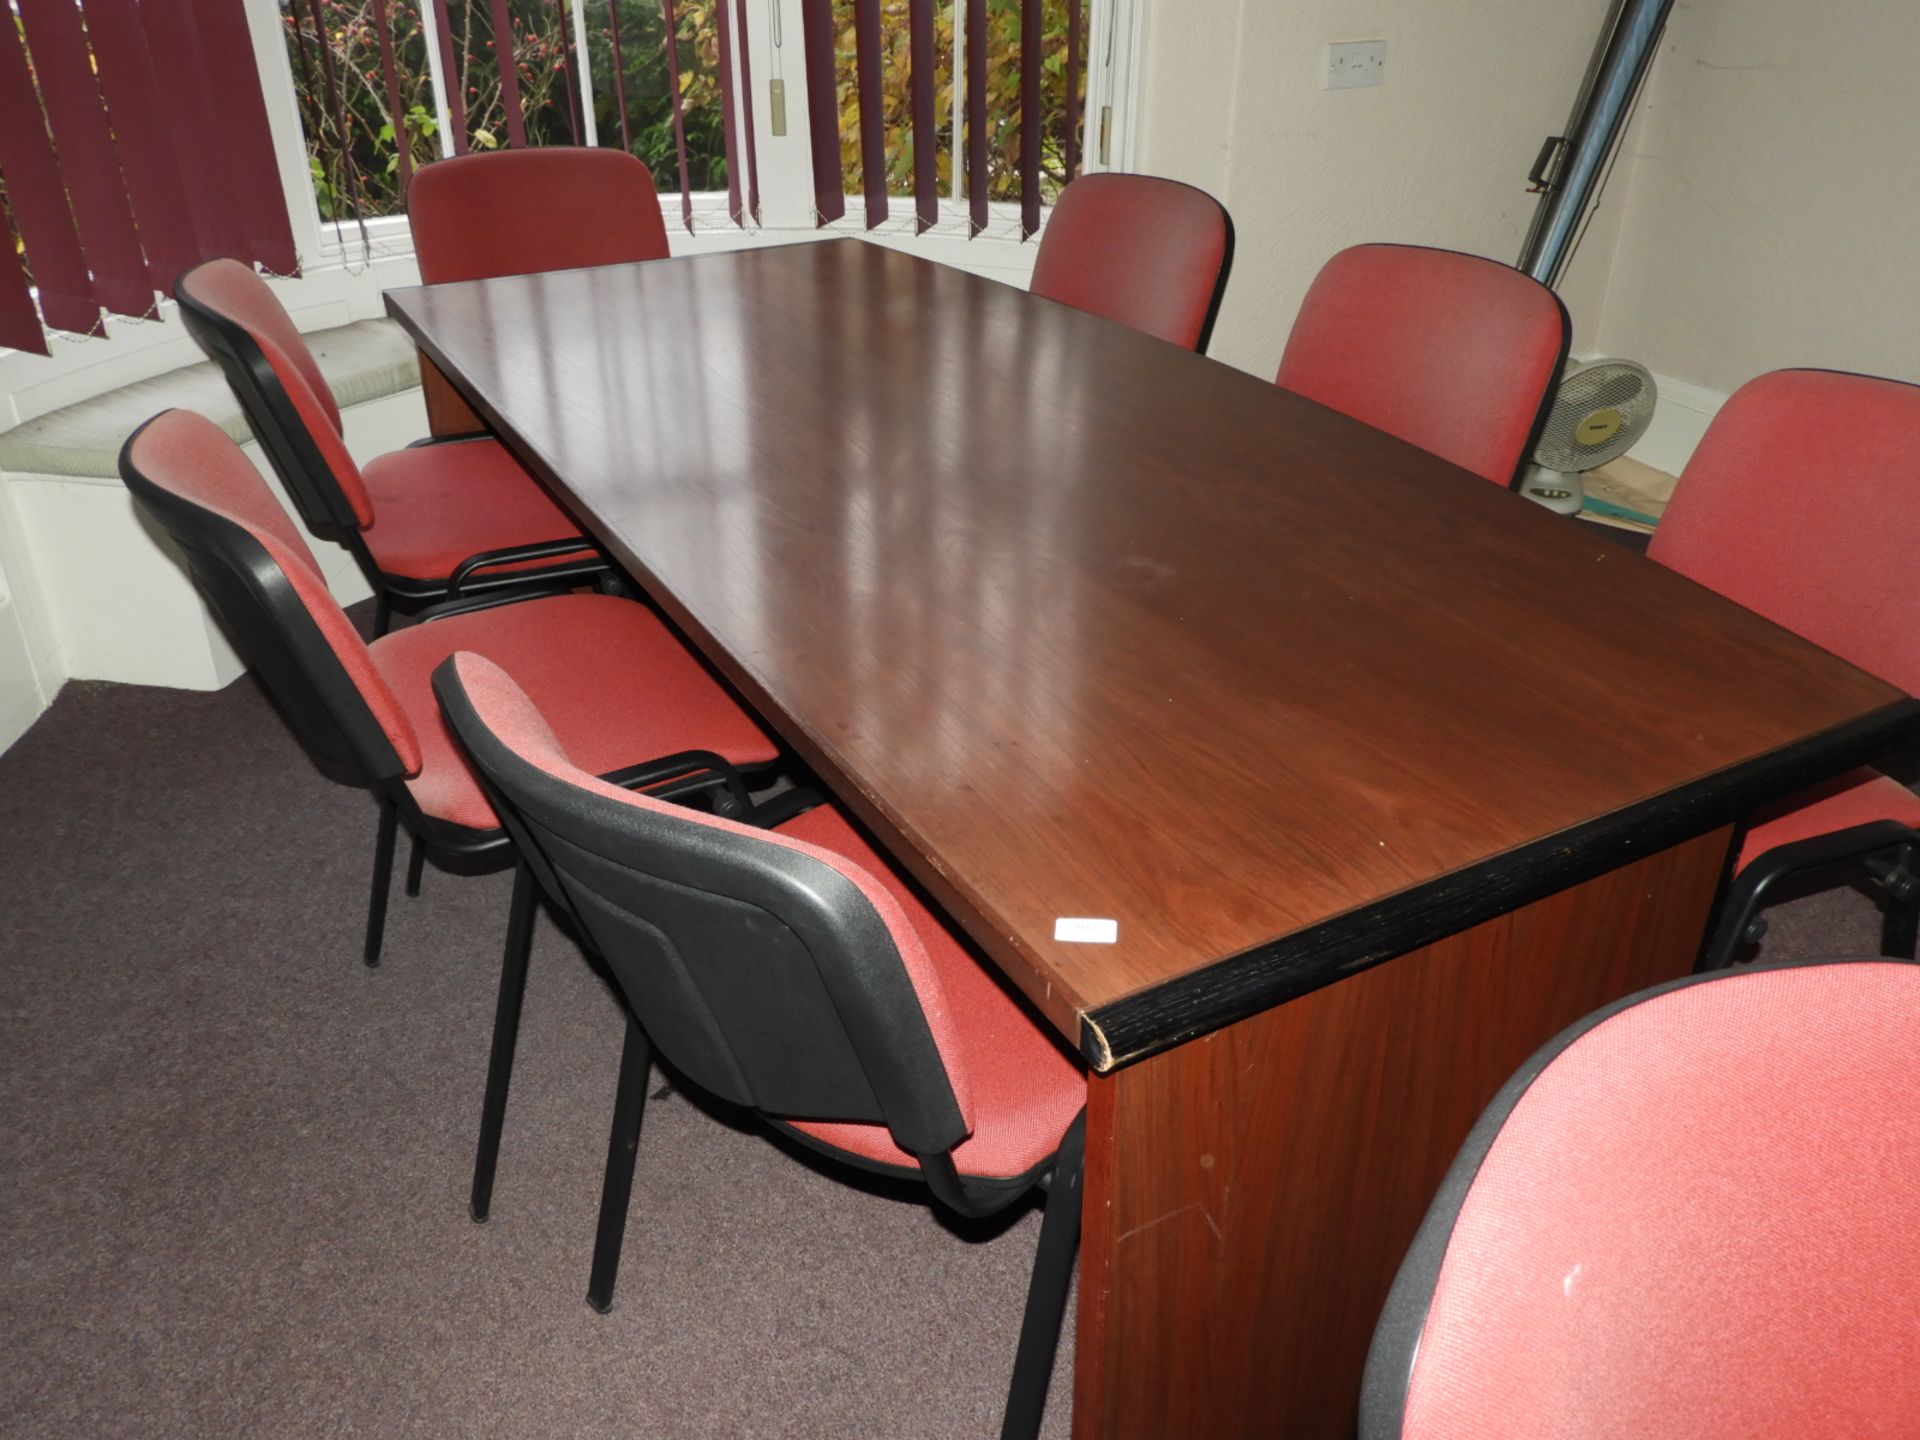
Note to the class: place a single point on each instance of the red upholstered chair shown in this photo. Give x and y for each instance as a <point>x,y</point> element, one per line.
<point>1692,1214</point>
<point>1453,353</point>
<point>428,523</point>
<point>791,971</point>
<point>1152,254</point>
<point>521,212</point>
<point>626,695</point>
<point>1802,502</point>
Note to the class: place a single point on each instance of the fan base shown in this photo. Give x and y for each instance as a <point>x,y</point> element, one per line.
<point>1561,493</point>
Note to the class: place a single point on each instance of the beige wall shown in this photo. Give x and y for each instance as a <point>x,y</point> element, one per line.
<point>1765,210</point>
<point>1772,214</point>
<point>1436,155</point>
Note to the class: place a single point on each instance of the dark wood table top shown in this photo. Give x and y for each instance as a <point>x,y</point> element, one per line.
<point>1082,625</point>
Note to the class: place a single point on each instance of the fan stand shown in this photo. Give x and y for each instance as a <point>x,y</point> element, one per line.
<point>1557,491</point>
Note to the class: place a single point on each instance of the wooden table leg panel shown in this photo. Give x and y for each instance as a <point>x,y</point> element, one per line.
<point>1250,1195</point>
<point>447,410</point>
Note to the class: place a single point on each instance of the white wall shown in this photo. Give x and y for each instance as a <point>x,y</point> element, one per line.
<point>1772,210</point>
<point>1763,211</point>
<point>1437,155</point>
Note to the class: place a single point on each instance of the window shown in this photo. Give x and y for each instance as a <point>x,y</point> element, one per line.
<point>386,85</point>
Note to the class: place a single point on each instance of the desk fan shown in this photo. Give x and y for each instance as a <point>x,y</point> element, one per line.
<point>1601,408</point>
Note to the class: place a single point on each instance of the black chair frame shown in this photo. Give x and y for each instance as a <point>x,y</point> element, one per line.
<point>842,1033</point>
<point>1887,855</point>
<point>323,504</point>
<point>274,631</point>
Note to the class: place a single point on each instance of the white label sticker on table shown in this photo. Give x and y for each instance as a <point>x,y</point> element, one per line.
<point>1087,932</point>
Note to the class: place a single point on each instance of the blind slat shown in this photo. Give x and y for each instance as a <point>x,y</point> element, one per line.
<point>729,129</point>
<point>39,200</point>
<point>574,112</point>
<point>390,73</point>
<point>977,115</point>
<point>873,114</point>
<point>619,72</point>
<point>19,321</point>
<point>194,158</point>
<point>89,165</point>
<point>252,180</point>
<point>926,135</point>
<point>509,65</point>
<point>746,108</point>
<point>124,66</point>
<point>454,76</point>
<point>1030,117</point>
<point>1075,18</point>
<point>823,109</point>
<point>672,42</point>
<point>308,89</point>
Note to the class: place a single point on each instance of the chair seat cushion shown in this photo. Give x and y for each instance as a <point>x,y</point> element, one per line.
<point>1857,798</point>
<point>435,505</point>
<point>1025,1087</point>
<point>614,682</point>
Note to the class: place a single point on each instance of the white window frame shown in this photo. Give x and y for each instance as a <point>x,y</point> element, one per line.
<point>1112,69</point>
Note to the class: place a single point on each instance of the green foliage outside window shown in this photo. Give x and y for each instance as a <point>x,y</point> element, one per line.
<point>542,49</point>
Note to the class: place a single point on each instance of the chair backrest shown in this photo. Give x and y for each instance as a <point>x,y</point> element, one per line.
<point>774,973</point>
<point>254,569</point>
<point>1693,1213</point>
<point>1802,502</point>
<point>238,321</point>
<point>1152,254</point>
<point>521,212</point>
<point>1454,353</point>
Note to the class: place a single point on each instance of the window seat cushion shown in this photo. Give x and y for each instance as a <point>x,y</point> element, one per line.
<point>367,360</point>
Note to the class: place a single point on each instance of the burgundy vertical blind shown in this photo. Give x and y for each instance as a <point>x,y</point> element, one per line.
<point>823,109</point>
<point>926,134</point>
<point>1025,46</point>
<point>746,110</point>
<point>1030,116</point>
<point>115,184</point>
<point>735,98</point>
<point>873,120</point>
<point>976,93</point>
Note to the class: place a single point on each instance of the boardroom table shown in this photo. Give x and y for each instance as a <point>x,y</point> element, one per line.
<point>1380,774</point>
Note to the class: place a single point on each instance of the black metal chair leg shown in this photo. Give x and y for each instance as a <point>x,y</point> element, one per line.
<point>1857,843</point>
<point>1047,1291</point>
<point>416,862</point>
<point>382,615</point>
<point>629,1103</point>
<point>382,880</point>
<point>1737,914</point>
<point>506,1029</point>
<point>1900,927</point>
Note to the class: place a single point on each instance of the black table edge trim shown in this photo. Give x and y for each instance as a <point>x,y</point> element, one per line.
<point>1155,1020</point>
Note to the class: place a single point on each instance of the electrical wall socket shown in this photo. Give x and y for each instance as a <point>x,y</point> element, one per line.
<point>1351,64</point>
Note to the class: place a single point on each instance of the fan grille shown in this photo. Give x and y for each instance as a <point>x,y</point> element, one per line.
<point>1600,410</point>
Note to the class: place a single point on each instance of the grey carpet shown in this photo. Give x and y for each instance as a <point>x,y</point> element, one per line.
<point>233,1162</point>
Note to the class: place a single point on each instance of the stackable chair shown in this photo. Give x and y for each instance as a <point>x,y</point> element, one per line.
<point>792,972</point>
<point>1454,353</point>
<point>1692,1214</point>
<point>1152,254</point>
<point>521,212</point>
<point>427,524</point>
<point>629,699</point>
<point>1802,502</point>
